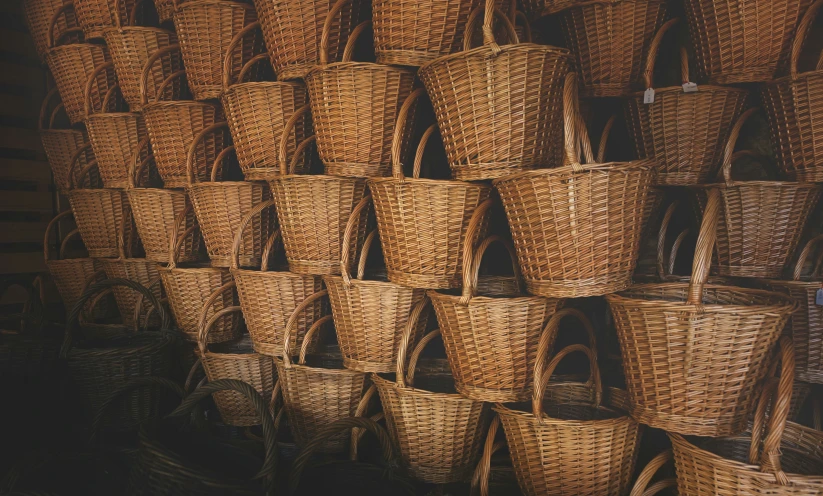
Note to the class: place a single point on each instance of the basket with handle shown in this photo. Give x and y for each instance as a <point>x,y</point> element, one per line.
<point>354,106</point>
<point>452,425</point>
<point>314,397</point>
<point>369,315</point>
<point>760,221</point>
<point>495,479</point>
<point>671,335</point>
<point>423,223</point>
<point>796,113</point>
<point>610,41</point>
<point>268,297</point>
<point>498,107</point>
<point>733,44</point>
<point>643,486</point>
<point>205,29</point>
<point>220,205</point>
<point>293,32</point>
<point>565,221</point>
<point>257,112</point>
<point>313,210</point>
<point>38,17</point>
<point>688,152</point>
<point>95,16</point>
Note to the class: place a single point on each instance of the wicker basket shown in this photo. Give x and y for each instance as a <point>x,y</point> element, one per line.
<point>314,397</point>
<point>293,32</point>
<point>354,106</point>
<point>370,316</point>
<point>610,41</point>
<point>257,112</point>
<point>60,145</point>
<point>206,28</point>
<point>498,108</point>
<point>565,221</point>
<point>693,353</point>
<point>796,112</point>
<point>313,210</point>
<point>746,42</point>
<point>684,132</point>
<point>95,16</point>
<point>423,223</point>
<point>38,15</point>
<point>165,9</point>
<point>760,222</point>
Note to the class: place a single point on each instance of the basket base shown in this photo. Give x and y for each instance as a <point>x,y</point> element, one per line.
<point>690,426</point>
<point>206,91</point>
<point>224,261</point>
<point>595,286</point>
<point>748,75</point>
<point>413,58</point>
<point>368,366</point>
<point>765,272</point>
<point>424,281</point>
<point>493,395</point>
<point>351,169</point>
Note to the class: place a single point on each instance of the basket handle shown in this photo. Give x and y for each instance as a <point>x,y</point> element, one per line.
<point>661,241</point>
<point>287,168</point>
<point>541,382</point>
<point>573,126</point>
<point>604,139</point>
<point>326,33</point>
<point>64,244</point>
<point>44,108</point>
<point>728,152</point>
<point>415,356</point>
<point>408,335</point>
<point>678,241</point>
<point>361,411</point>
<point>654,47</point>
<point>471,261</point>
<point>144,77</point>
<point>203,333</point>
<point>238,238</point>
<point>478,260</point>
<point>351,43</point>
<point>399,130</point>
<point>90,82</point>
<point>704,248</point>
<point>489,12</point>
<point>230,50</point>
<point>268,249</point>
<point>291,325</point>
<point>193,149</point>
<point>804,255</point>
<point>307,339</point>
<point>137,166</point>
<point>138,307</point>
<point>641,486</point>
<point>53,23</point>
<point>802,33</point>
<point>204,310</point>
<point>53,222</point>
<point>480,478</point>
<point>345,252</point>
<point>176,241</point>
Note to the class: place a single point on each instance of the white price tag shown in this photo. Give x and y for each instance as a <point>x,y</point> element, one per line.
<point>818,299</point>
<point>689,87</point>
<point>648,96</point>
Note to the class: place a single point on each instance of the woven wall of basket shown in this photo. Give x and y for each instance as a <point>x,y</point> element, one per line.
<point>95,16</point>
<point>38,15</point>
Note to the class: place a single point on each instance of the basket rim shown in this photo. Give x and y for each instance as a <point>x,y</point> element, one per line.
<point>445,183</point>
<point>98,115</point>
<point>109,29</point>
<point>549,11</point>
<point>172,270</point>
<point>326,177</point>
<point>279,273</point>
<point>225,184</point>
<point>179,103</point>
<point>788,302</point>
<point>75,47</point>
<point>789,79</point>
<point>366,282</point>
<point>381,382</point>
<point>701,88</point>
<point>622,417</point>
<point>278,361</point>
<point>647,164</point>
<point>738,183</point>
<point>246,84</point>
<point>358,65</point>
<point>60,131</point>
<point>802,283</point>
<point>154,340</point>
<point>563,52</point>
<point>522,298</point>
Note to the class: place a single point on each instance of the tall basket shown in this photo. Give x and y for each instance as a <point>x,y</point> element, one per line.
<point>38,16</point>
<point>498,107</point>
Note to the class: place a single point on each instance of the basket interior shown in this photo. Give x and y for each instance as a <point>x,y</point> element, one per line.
<point>712,294</point>
<point>793,460</point>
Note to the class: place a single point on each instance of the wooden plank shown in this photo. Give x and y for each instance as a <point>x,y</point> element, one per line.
<point>16,106</point>
<point>25,139</point>
<point>21,263</point>
<point>21,74</point>
<point>25,170</point>
<point>31,232</point>
<point>16,42</point>
<point>26,201</point>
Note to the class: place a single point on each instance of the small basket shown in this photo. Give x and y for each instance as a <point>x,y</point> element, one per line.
<point>354,108</point>
<point>95,16</point>
<point>38,15</point>
<point>423,223</point>
<point>498,107</point>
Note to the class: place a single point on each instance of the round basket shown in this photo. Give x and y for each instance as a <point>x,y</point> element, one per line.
<point>760,221</point>
<point>423,223</point>
<point>565,220</point>
<point>498,107</point>
<point>95,16</point>
<point>257,112</point>
<point>796,112</point>
<point>293,32</point>
<point>689,152</point>
<point>354,105</point>
<point>38,15</point>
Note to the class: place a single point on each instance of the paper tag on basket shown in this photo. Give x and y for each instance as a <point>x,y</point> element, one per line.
<point>818,298</point>
<point>648,96</point>
<point>689,87</point>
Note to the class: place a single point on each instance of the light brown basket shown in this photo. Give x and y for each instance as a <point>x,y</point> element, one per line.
<point>423,223</point>
<point>293,32</point>
<point>498,107</point>
<point>165,9</point>
<point>574,444</point>
<point>269,297</point>
<point>795,112</point>
<point>370,316</point>
<point>684,132</point>
<point>761,221</point>
<point>314,397</point>
<point>576,228</point>
<point>95,16</point>
<point>257,112</point>
<point>38,15</point>
<point>205,29</point>
<point>746,42</point>
<point>354,108</point>
<point>313,210</point>
<point>440,435</point>
<point>693,353</point>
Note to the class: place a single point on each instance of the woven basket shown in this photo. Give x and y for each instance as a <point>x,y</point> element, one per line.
<point>165,9</point>
<point>693,353</point>
<point>684,132</point>
<point>610,41</point>
<point>293,32</point>
<point>206,28</point>
<point>354,106</point>
<point>257,112</point>
<point>370,316</point>
<point>498,107</point>
<point>566,221</point>
<point>440,435</point>
<point>313,210</point>
<point>95,16</point>
<point>578,446</point>
<point>760,222</point>
<point>743,42</point>
<point>314,397</point>
<point>71,66</point>
<point>796,113</point>
<point>38,15</point>
<point>423,223</point>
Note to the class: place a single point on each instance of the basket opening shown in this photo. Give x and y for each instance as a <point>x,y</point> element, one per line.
<point>712,294</point>
<point>793,460</point>
<point>242,345</point>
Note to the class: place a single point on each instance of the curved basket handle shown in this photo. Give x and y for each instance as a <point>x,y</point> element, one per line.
<point>137,166</point>
<point>176,240</point>
<point>489,12</point>
<point>66,239</point>
<point>282,156</point>
<point>44,108</point>
<point>520,16</point>
<point>399,130</point>
<point>704,248</point>
<point>269,248</point>
<point>326,33</point>
<point>801,260</point>
<point>345,252</point>
<point>661,239</point>
<point>541,382</point>
<point>204,310</point>
<point>216,166</point>
<point>408,335</point>
<point>480,478</point>
<point>307,339</point>
<point>641,485</point>
<point>469,282</point>
<point>478,260</point>
<point>138,307</point>
<point>193,149</point>
<point>198,364</point>
<point>604,139</point>
<point>203,332</point>
<point>364,252</point>
<point>415,356</point>
<point>573,126</point>
<point>678,241</point>
<point>548,337</point>
<point>238,238</point>
<point>53,222</point>
<point>53,23</point>
<point>361,411</point>
<point>144,76</point>
<point>90,82</point>
<point>230,50</point>
<point>802,33</point>
<point>654,47</point>
<point>421,149</point>
<point>351,44</point>
<point>291,325</point>
<point>728,152</point>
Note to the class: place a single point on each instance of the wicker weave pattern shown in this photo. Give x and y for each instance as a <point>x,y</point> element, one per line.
<point>99,215</point>
<point>60,146</point>
<point>95,16</point>
<point>71,66</point>
<point>141,271</point>
<point>115,138</point>
<point>188,289</point>
<point>38,16</point>
<point>154,213</point>
<point>165,9</point>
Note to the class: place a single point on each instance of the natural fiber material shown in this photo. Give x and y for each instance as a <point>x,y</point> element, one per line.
<point>71,66</point>
<point>794,105</point>
<point>423,223</point>
<point>684,132</point>
<point>95,16</point>
<point>694,353</point>
<point>574,445</point>
<point>165,9</point>
<point>498,107</point>
<point>576,228</point>
<point>293,32</point>
<point>38,15</point>
<point>141,271</point>
<point>60,145</point>
<point>354,108</point>
<point>610,41</point>
<point>760,221</point>
<point>742,42</point>
<point>369,315</point>
<point>205,29</point>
